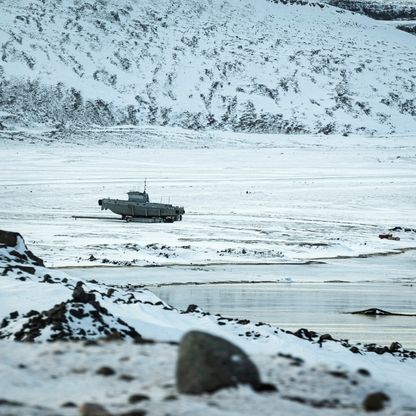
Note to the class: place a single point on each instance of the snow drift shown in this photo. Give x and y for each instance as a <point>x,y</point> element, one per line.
<point>243,65</point>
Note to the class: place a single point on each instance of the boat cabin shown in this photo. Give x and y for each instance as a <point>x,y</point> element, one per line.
<point>136,196</point>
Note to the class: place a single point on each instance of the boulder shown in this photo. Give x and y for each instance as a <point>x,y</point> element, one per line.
<point>79,294</point>
<point>374,402</point>
<point>207,363</point>
<point>136,398</point>
<point>93,409</point>
<point>105,371</point>
<point>9,238</point>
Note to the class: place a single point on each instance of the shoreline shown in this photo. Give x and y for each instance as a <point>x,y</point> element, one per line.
<point>385,269</point>
<point>312,261</point>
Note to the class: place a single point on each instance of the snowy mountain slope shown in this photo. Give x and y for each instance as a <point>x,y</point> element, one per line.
<point>241,65</point>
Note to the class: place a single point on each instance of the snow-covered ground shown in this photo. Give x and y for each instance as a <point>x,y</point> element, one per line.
<point>38,304</point>
<point>49,375</point>
<point>249,199</point>
<point>263,201</point>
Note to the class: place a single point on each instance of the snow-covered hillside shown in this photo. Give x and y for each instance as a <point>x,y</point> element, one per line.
<point>250,65</point>
<point>40,304</point>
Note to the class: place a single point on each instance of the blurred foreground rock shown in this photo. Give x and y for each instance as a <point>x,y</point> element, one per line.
<point>374,402</point>
<point>93,409</point>
<point>207,363</point>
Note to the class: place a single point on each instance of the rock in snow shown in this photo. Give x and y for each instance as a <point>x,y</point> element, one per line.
<point>375,402</point>
<point>9,238</point>
<point>207,363</point>
<point>15,250</point>
<point>93,409</point>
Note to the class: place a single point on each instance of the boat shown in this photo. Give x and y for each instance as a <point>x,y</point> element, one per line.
<point>139,208</point>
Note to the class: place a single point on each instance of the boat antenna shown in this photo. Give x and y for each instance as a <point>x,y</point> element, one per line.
<point>145,184</point>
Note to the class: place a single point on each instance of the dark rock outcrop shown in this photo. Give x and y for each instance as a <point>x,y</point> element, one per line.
<point>9,238</point>
<point>379,10</point>
<point>65,321</point>
<point>20,253</point>
<point>79,294</point>
<point>78,316</point>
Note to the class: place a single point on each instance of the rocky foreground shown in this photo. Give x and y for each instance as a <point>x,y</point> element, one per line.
<point>94,349</point>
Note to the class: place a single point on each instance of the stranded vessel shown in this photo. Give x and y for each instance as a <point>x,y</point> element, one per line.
<point>138,208</point>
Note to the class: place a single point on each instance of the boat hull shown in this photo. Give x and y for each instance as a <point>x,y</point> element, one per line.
<point>128,209</point>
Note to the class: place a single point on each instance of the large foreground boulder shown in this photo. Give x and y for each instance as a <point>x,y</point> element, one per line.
<point>208,363</point>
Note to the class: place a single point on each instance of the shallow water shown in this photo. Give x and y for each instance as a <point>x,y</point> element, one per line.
<point>315,296</point>
<point>317,306</point>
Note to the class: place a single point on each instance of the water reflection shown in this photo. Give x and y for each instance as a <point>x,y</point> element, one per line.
<point>317,306</point>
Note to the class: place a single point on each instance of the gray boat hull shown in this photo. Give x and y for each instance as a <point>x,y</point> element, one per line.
<point>131,210</point>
